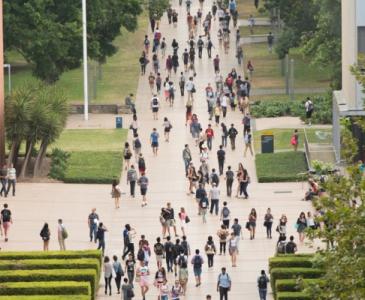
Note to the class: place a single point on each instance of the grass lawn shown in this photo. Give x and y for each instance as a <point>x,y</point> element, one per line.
<point>246,8</point>
<point>297,97</point>
<point>96,155</point>
<point>119,74</point>
<point>280,167</point>
<point>245,30</point>
<point>282,138</point>
<point>268,68</point>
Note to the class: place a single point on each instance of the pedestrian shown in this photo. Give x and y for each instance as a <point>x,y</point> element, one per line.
<point>167,128</point>
<point>100,236</point>
<point>210,251</point>
<point>237,231</point>
<point>294,140</point>
<point>154,140</point>
<point>216,62</point>
<point>224,284</point>
<point>248,143</point>
<point>251,24</point>
<point>224,134</point>
<point>132,178</point>
<point>158,83</point>
<point>182,81</point>
<point>143,184</point>
<point>141,164</point>
<point>142,274</point>
<point>291,247</point>
<point>190,88</point>
<point>281,228</point>
<point>186,154</point>
<point>183,219</point>
<point>268,222</point>
<point>158,249</point>
<point>164,290</point>
<point>225,215</point>
<point>160,277</point>
<point>203,207</point>
<point>192,177</point>
<point>143,61</point>
<point>155,105</point>
<point>209,46</point>
<point>183,274</point>
<point>116,193</point>
<point>11,176</point>
<point>62,234</point>
<point>134,126</point>
<point>239,54</point>
<point>244,181</point>
<point>309,108</point>
<point>221,155</point>
<point>229,181</point>
<point>108,275</point>
<point>45,235</point>
<point>250,69</point>
<point>130,268</point>
<point>214,198</point>
<point>301,225</point>
<point>93,222</point>
<point>118,270</point>
<point>209,132</point>
<point>262,282</point>
<point>176,290</point>
<point>129,234</point>
<point>200,44</point>
<point>197,262</point>
<point>170,218</point>
<point>217,113</point>
<point>233,249</point>
<point>4,180</point>
<point>252,217</point>
<point>127,290</point>
<point>232,133</point>
<point>169,254</point>
<point>222,233</point>
<point>151,78</point>
<point>270,41</point>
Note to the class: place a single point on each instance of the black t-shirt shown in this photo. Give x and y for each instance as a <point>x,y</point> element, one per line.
<point>6,215</point>
<point>130,265</point>
<point>221,154</point>
<point>170,215</point>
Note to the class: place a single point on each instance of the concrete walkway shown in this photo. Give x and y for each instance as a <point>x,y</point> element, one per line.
<point>39,203</point>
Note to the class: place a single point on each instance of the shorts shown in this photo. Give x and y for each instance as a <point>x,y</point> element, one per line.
<point>197,271</point>
<point>6,225</point>
<point>154,109</point>
<point>159,258</point>
<point>154,145</point>
<point>143,191</point>
<point>170,222</point>
<point>309,114</point>
<point>167,129</point>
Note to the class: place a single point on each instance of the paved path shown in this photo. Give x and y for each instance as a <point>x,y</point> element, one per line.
<point>258,22</point>
<point>38,203</point>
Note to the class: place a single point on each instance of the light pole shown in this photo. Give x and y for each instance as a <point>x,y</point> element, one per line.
<point>84,38</point>
<point>2,125</point>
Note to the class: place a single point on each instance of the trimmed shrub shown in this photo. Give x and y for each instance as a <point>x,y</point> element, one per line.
<point>292,296</point>
<point>292,261</point>
<point>46,297</point>
<point>45,288</point>
<point>291,285</point>
<point>50,255</point>
<point>59,160</point>
<point>39,264</point>
<point>293,273</point>
<point>86,275</point>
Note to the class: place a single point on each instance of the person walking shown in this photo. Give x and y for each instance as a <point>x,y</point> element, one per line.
<point>61,235</point>
<point>108,275</point>
<point>221,155</point>
<point>155,105</point>
<point>158,249</point>
<point>252,217</point>
<point>262,282</point>
<point>294,140</point>
<point>203,207</point>
<point>190,88</point>
<point>237,231</point>
<point>130,268</point>
<point>132,178</point>
<point>233,249</point>
<point>225,215</point>
<point>229,181</point>
<point>248,143</point>
<point>270,41</point>
<point>129,235</point>
<point>93,221</point>
<point>224,284</point>
<point>170,218</point>
<point>309,108</point>
<point>11,176</point>
<point>118,270</point>
<point>45,235</point>
<point>116,193</point>
<point>244,181</point>
<point>143,184</point>
<point>232,133</point>
<point>216,62</point>
<point>143,274</point>
<point>269,219</point>
<point>224,134</point>
<point>197,262</point>
<point>209,133</point>
<point>100,235</point>
<point>183,220</point>
<point>182,81</point>
<point>137,146</point>
<point>127,290</point>
<point>4,180</point>
<point>166,129</point>
<point>210,251</point>
<point>301,225</point>
<point>214,198</point>
<point>154,141</point>
<point>169,254</point>
<point>141,164</point>
<point>186,154</point>
<point>127,154</point>
<point>222,233</point>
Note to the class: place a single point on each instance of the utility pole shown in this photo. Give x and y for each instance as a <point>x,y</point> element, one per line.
<point>2,113</point>
<point>86,83</point>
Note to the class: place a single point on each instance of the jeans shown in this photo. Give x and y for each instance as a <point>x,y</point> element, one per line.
<point>130,275</point>
<point>243,188</point>
<point>222,247</point>
<point>223,293</point>
<point>262,293</point>
<point>224,141</point>
<point>214,203</point>
<point>3,186</point>
<point>11,182</point>
<point>229,183</point>
<point>210,260</point>
<point>130,249</point>
<point>108,283</point>
<point>224,110</point>
<point>233,142</point>
<point>182,89</point>
<point>93,229</point>
<point>268,229</point>
<point>226,223</point>
<point>169,262</point>
<point>132,187</point>
<point>209,50</point>
<point>118,279</point>
<point>186,164</point>
<point>221,166</point>
<point>209,143</point>
<point>101,245</point>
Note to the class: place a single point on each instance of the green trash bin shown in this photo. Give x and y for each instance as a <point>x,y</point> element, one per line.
<point>267,143</point>
<point>118,122</point>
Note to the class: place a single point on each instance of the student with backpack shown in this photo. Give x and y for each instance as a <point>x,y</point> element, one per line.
<point>225,214</point>
<point>197,262</point>
<point>61,232</point>
<point>127,290</point>
<point>155,105</point>
<point>159,250</point>
<point>224,284</point>
<point>6,220</point>
<point>210,251</point>
<point>291,247</point>
<point>262,282</point>
<point>169,252</point>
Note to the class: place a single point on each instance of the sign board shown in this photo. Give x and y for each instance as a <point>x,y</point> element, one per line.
<point>267,143</point>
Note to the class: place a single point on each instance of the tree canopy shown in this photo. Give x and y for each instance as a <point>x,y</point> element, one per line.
<point>48,33</point>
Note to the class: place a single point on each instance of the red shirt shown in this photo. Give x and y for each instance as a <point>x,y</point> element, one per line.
<point>209,132</point>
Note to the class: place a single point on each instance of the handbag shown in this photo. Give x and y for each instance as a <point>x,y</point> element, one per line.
<point>193,90</point>
<point>248,225</point>
<point>187,219</point>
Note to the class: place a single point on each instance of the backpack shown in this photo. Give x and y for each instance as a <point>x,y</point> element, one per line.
<point>262,282</point>
<point>140,255</point>
<point>200,43</point>
<point>182,262</point>
<point>154,101</point>
<point>243,87</point>
<point>225,212</point>
<point>158,249</point>
<point>215,178</point>
<point>290,248</point>
<point>6,215</point>
<point>197,261</point>
<point>310,106</point>
<point>64,233</point>
<point>282,247</point>
<point>184,245</point>
<point>137,143</point>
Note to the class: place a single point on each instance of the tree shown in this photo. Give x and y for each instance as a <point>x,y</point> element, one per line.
<point>156,8</point>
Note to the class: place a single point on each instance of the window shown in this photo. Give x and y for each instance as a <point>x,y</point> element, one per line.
<point>361,46</point>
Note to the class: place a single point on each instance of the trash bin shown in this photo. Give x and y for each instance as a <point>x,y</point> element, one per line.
<point>118,122</point>
<point>267,143</point>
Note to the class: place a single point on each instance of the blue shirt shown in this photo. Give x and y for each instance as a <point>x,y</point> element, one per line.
<point>224,281</point>
<point>154,137</point>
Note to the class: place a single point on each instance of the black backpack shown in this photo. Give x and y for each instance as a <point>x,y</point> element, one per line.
<point>215,179</point>
<point>197,261</point>
<point>159,249</point>
<point>137,144</point>
<point>154,101</point>
<point>6,215</point>
<point>262,282</point>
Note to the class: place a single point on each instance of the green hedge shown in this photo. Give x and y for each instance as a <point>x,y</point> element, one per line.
<point>47,297</point>
<point>45,288</point>
<point>39,264</point>
<point>281,166</point>
<point>291,285</point>
<point>295,262</point>
<point>50,255</point>
<point>85,275</point>
<point>292,296</point>
<point>292,273</point>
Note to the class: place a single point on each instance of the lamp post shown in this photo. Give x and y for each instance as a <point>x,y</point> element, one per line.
<point>84,38</point>
<point>2,125</point>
